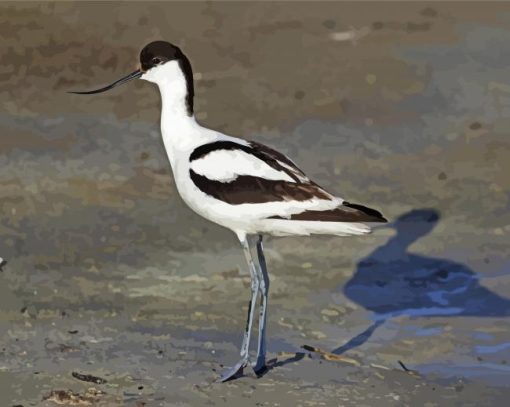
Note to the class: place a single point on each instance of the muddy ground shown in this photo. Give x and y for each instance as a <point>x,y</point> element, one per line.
<point>116,294</point>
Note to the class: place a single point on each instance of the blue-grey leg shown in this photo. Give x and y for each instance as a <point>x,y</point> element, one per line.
<point>260,362</point>
<point>244,361</point>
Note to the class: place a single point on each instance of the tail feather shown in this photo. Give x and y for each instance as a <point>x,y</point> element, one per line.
<point>346,219</point>
<point>284,227</point>
<point>371,214</point>
<point>347,212</point>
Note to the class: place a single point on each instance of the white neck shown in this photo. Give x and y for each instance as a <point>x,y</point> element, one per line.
<point>181,133</point>
<point>173,99</point>
<point>172,85</point>
<point>177,126</point>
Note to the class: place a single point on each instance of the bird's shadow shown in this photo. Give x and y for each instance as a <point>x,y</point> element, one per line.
<point>275,363</point>
<point>392,282</point>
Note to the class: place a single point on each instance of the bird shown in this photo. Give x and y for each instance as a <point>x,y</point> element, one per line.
<point>245,186</point>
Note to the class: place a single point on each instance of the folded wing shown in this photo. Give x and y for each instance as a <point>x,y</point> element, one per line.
<point>251,173</point>
<point>238,173</point>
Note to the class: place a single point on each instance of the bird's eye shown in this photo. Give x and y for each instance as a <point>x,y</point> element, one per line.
<point>156,60</point>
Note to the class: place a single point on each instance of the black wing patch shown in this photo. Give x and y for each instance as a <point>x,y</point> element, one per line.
<point>249,189</point>
<point>204,149</point>
<point>274,158</point>
<point>369,212</point>
<point>252,189</point>
<point>347,212</point>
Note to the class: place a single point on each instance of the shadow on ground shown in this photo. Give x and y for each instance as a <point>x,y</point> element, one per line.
<point>393,282</point>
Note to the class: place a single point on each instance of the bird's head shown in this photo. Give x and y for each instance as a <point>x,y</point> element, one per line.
<point>163,64</point>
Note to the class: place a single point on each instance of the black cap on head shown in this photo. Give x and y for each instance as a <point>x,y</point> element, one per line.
<point>159,52</point>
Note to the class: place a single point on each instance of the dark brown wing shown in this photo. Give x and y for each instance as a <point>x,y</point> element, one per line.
<point>347,212</point>
<point>255,189</point>
<point>275,159</point>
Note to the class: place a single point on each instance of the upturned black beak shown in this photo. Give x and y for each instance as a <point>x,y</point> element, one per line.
<point>134,75</point>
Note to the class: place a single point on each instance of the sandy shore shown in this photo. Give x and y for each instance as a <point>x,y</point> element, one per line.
<point>116,294</point>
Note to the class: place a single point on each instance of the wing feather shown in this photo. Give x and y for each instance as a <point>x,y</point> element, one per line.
<point>226,165</point>
<point>250,173</point>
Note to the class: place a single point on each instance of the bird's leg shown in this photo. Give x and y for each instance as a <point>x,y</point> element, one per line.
<point>260,362</point>
<point>244,361</point>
